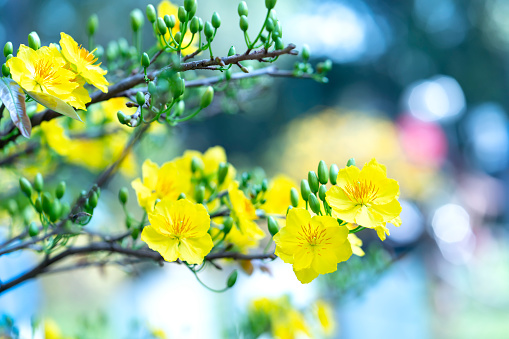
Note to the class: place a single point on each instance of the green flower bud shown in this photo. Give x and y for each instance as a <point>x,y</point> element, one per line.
<point>112,50</point>
<point>265,185</point>
<point>180,87</point>
<point>305,52</point>
<point>9,56</point>
<point>321,192</point>
<point>201,24</point>
<point>199,193</point>
<point>209,30</point>
<point>189,5</point>
<point>294,197</point>
<point>122,117</point>
<point>269,26</point>
<point>279,29</point>
<point>123,46</point>
<point>314,203</point>
<point>350,162</point>
<point>216,20</point>
<point>313,181</point>
<point>222,172</point>
<point>181,196</point>
<point>12,207</point>
<point>33,229</point>
<point>93,23</point>
<point>6,71</point>
<point>197,165</point>
<point>243,23</point>
<point>231,52</point>
<point>99,51</point>
<point>38,204</point>
<point>182,14</point>
<point>273,15</point>
<point>305,191</point>
<point>145,60</point>
<point>60,191</point>
<point>288,209</point>
<point>8,49</point>
<point>93,199</point>
<point>227,224</point>
<point>263,38</point>
<point>33,41</point>
<point>279,43</point>
<point>38,182</point>
<point>232,279</point>
<point>270,4</point>
<point>194,26</point>
<point>151,13</point>
<point>140,98</point>
<point>178,37</point>
<point>55,211</point>
<point>47,202</point>
<point>123,195</point>
<point>179,108</point>
<point>152,89</point>
<point>242,9</point>
<point>207,97</point>
<point>135,233</point>
<point>323,172</point>
<point>161,26</point>
<point>333,173</point>
<point>137,19</point>
<point>272,226</point>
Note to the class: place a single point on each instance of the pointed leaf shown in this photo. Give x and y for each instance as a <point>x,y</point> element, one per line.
<point>55,104</point>
<point>14,100</point>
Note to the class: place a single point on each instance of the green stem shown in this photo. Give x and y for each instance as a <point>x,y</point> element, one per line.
<point>358,229</point>
<point>204,285</point>
<point>261,31</point>
<point>189,116</point>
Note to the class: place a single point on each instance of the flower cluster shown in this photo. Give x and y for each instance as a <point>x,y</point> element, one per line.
<point>55,75</point>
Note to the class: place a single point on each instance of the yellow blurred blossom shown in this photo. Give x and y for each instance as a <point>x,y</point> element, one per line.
<point>325,315</point>
<point>312,245</point>
<point>165,7</point>
<point>179,230</point>
<point>365,197</point>
<point>277,198</point>
<point>356,244</point>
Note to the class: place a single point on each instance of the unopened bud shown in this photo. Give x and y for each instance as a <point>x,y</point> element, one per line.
<point>47,202</point>
<point>122,118</point>
<point>194,26</point>
<point>8,48</point>
<point>314,204</point>
<point>93,200</point>
<point>242,9</point>
<point>38,204</point>
<point>161,26</point>
<point>279,43</point>
<point>350,162</point>
<point>305,191</point>
<point>272,226</point>
<point>33,41</point>
<point>231,52</point>
<point>305,52</point>
<point>209,30</point>
<point>323,172</point>
<point>265,185</point>
<point>181,196</point>
<point>38,182</point>
<point>199,193</point>
<point>227,225</point>
<point>123,195</point>
<point>321,192</point>
<point>93,23</point>
<point>207,97</point>
<point>216,20</point>
<point>145,60</point>
<point>151,13</point>
<point>270,4</point>
<point>243,23</point>
<point>333,173</point>
<point>140,98</point>
<point>232,279</point>
<point>55,211</point>
<point>33,229</point>
<point>196,164</point>
<point>137,19</point>
<point>181,14</point>
<point>294,197</point>
<point>313,181</point>
<point>222,172</point>
<point>60,191</point>
<point>6,71</point>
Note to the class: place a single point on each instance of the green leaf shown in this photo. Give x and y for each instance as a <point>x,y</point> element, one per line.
<point>54,104</point>
<point>14,100</point>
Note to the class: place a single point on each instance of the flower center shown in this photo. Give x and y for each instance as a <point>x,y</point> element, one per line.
<point>180,227</point>
<point>312,236</point>
<point>362,192</point>
<point>45,72</point>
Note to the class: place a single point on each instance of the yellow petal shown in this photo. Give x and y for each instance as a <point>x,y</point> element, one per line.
<point>305,276</point>
<point>303,257</point>
<point>166,246</point>
<point>193,250</point>
<point>325,262</point>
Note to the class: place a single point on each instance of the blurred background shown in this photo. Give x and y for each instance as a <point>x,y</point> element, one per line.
<point>419,84</point>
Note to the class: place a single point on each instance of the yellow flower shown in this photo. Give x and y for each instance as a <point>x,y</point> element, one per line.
<point>277,198</point>
<point>356,244</point>
<point>365,197</point>
<point>325,315</point>
<point>178,230</point>
<point>43,71</point>
<point>158,183</point>
<point>313,245</point>
<point>165,7</point>
<point>82,62</point>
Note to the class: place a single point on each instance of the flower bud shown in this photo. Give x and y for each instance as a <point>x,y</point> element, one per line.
<point>161,26</point>
<point>123,195</point>
<point>207,97</point>
<point>179,88</point>
<point>123,46</point>
<point>231,52</point>
<point>181,196</point>
<point>55,211</point>
<point>140,98</point>
<point>201,24</point>
<point>181,14</point>
<point>6,71</point>
<point>194,26</point>
<point>272,226</point>
<point>288,209</point>
<point>33,229</point>
<point>152,88</point>
<point>227,224</point>
<point>8,49</point>
<point>189,5</point>
<point>269,26</point>
<point>12,207</point>
<point>38,204</point>
<point>313,181</point>
<point>232,279</point>
<point>47,202</point>
<point>179,109</point>
<point>222,172</point>
<point>244,23</point>
<point>321,192</point>
<point>93,23</point>
<point>279,43</point>
<point>265,185</point>
<point>314,204</point>
<point>305,52</point>
<point>38,182</point>
<point>333,173</point>
<point>305,191</point>
<point>137,19</point>
<point>93,199</point>
<point>242,9</point>
<point>112,50</point>
<point>178,37</point>
<point>33,41</point>
<point>209,30</point>
<point>273,15</point>
<point>323,172</point>
<point>122,117</point>
<point>151,13</point>
<point>145,60</point>
<point>196,164</point>
<point>294,197</point>
<point>169,21</point>
<point>350,162</point>
<point>135,233</point>
<point>216,20</point>
<point>199,193</point>
<point>60,190</point>
<point>270,4</point>
<point>279,29</point>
